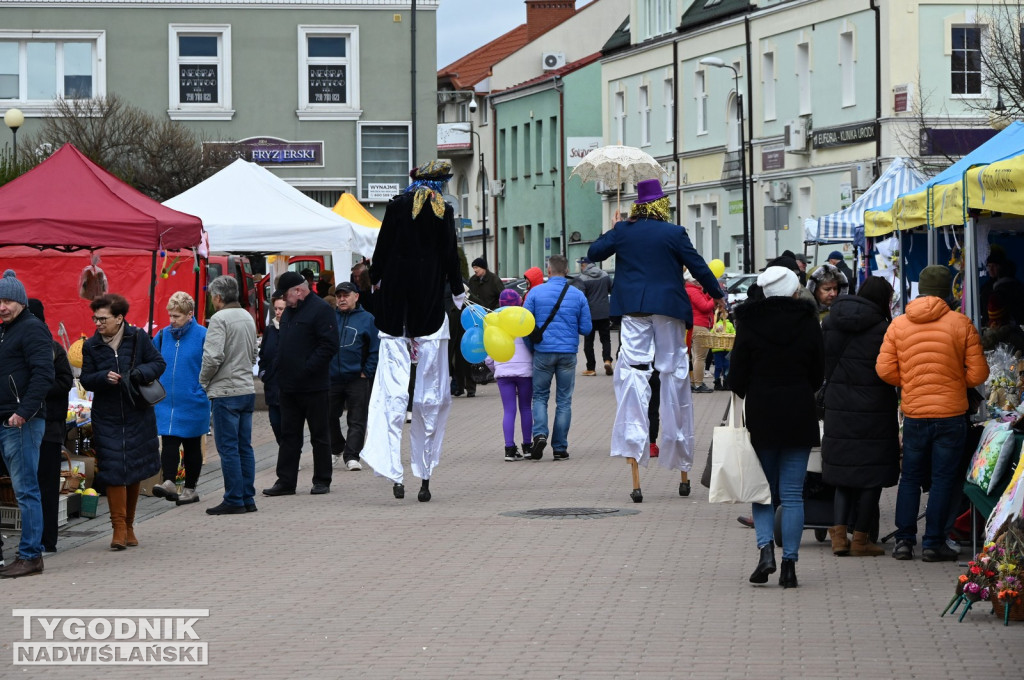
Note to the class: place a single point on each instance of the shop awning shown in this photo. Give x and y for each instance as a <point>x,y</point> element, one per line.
<point>840,227</point>
<point>998,187</point>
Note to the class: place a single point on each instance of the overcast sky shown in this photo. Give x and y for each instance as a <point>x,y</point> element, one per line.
<point>464,25</point>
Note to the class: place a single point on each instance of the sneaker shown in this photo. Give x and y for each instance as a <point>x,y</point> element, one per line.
<point>537,450</point>
<point>560,455</point>
<point>526,447</point>
<point>703,389</point>
<point>655,451</point>
<point>335,459</point>
<point>354,465</point>
<point>589,373</point>
<point>166,489</point>
<point>187,496</point>
<point>608,368</point>
<point>512,454</point>
<point>904,550</point>
<point>225,509</point>
<point>940,553</point>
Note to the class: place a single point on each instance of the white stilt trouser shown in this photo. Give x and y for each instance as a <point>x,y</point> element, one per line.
<point>431,401</point>
<point>659,341</point>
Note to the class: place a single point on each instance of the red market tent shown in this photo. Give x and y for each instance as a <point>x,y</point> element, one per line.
<point>69,203</point>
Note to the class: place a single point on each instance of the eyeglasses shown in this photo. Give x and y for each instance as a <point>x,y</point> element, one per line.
<point>101,319</point>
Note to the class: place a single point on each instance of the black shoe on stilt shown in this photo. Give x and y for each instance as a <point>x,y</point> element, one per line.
<point>424,495</point>
<point>636,496</point>
<point>398,490</point>
<point>765,565</point>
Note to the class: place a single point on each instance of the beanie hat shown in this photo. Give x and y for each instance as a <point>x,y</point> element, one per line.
<point>480,262</point>
<point>509,298</point>
<point>835,255</point>
<point>778,282</point>
<point>12,289</point>
<point>935,280</point>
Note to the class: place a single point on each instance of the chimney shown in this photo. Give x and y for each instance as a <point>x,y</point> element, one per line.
<point>544,14</point>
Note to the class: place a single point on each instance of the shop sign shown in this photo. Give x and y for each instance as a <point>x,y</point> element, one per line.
<point>274,152</point>
<point>197,83</point>
<point>858,133</point>
<point>773,157</point>
<point>901,98</point>
<point>381,191</point>
<point>736,207</point>
<point>578,147</point>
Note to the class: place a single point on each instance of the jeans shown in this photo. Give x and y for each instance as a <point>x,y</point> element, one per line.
<point>938,443</point>
<point>351,396</point>
<point>232,432</point>
<point>785,468</point>
<point>602,328</point>
<point>20,449</point>
<point>562,367</point>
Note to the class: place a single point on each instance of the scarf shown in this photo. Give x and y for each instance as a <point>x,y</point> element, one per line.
<point>179,333</point>
<point>427,191</point>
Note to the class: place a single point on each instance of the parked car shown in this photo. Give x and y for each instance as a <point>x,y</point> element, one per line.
<point>736,288</point>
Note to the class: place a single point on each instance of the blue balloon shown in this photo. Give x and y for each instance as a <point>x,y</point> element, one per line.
<point>473,345</point>
<point>471,317</point>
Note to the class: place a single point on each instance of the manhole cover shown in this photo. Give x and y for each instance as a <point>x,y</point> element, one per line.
<point>571,513</point>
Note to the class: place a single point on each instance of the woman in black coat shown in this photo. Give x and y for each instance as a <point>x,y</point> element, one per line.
<point>860,448</point>
<point>776,366</point>
<point>115,360</point>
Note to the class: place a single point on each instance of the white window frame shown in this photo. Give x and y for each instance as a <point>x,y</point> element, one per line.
<point>848,68</point>
<point>803,77</point>
<point>644,102</point>
<point>619,99</point>
<point>313,111</point>
<point>981,41</point>
<point>670,109</point>
<point>359,152</point>
<point>35,108</point>
<point>178,110</point>
<point>768,85</point>
<point>700,88</point>
<point>657,17</point>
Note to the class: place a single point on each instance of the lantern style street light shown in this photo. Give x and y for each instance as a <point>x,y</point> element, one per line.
<point>14,119</point>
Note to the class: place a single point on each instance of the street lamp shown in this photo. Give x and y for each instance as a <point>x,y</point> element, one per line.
<point>483,182</point>
<point>14,119</point>
<point>718,63</point>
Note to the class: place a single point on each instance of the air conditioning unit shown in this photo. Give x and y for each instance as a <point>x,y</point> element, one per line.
<point>778,192</point>
<point>796,136</point>
<point>552,60</point>
<point>862,176</point>
<point>496,188</point>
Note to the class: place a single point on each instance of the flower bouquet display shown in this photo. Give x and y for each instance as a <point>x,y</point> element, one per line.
<point>994,575</point>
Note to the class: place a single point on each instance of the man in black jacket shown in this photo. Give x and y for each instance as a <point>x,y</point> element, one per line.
<point>26,361</point>
<point>307,340</point>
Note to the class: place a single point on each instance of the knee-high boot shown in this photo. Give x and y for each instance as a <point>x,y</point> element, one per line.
<point>116,500</point>
<point>131,501</point>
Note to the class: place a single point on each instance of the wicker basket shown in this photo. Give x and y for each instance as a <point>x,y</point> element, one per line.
<point>7,497</point>
<point>1016,609</point>
<point>718,340</point>
<point>71,479</point>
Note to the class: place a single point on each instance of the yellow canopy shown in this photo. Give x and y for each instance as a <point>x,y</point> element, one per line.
<point>998,187</point>
<point>352,210</point>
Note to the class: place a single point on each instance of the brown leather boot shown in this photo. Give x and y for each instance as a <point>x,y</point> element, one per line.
<point>840,540</point>
<point>116,500</point>
<point>131,501</point>
<point>863,547</point>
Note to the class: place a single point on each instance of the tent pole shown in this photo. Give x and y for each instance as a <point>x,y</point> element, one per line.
<point>152,294</point>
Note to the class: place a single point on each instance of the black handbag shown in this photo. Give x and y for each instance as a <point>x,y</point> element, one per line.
<point>143,394</point>
<point>537,334</point>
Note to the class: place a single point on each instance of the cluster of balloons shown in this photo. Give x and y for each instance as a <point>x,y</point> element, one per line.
<point>493,333</point>
<point>717,268</point>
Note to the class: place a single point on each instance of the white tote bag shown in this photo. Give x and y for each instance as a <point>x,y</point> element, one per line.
<point>736,474</point>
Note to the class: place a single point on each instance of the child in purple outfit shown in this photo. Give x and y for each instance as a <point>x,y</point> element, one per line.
<point>515,381</point>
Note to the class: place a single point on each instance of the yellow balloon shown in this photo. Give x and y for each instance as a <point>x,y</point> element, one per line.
<point>516,321</point>
<point>717,268</point>
<point>491,319</point>
<point>499,344</point>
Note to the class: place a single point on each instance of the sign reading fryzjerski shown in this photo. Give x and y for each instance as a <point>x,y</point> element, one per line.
<point>273,152</point>
<point>327,85</point>
<point>197,83</point>
<point>857,133</point>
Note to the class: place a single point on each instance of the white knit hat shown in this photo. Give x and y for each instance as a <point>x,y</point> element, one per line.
<point>778,282</point>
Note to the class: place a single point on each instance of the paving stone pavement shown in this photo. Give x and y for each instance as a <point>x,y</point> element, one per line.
<point>358,584</point>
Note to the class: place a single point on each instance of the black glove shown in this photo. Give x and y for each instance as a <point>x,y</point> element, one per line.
<point>136,376</point>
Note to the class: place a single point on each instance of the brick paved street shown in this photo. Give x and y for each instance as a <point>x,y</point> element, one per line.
<point>356,584</point>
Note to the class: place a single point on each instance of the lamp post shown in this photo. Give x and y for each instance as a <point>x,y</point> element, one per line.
<point>14,119</point>
<point>483,185</point>
<point>718,63</point>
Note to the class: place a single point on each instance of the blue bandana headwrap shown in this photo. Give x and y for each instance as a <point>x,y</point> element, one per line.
<point>428,186</point>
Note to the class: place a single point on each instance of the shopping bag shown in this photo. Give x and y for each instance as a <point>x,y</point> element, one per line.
<point>736,474</point>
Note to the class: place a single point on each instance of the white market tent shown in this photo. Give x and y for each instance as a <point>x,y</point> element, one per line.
<point>246,208</point>
<point>842,226</point>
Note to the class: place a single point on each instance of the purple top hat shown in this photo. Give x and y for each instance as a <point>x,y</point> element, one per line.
<point>648,190</point>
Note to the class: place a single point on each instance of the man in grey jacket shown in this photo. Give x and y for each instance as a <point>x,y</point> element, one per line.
<point>597,286</point>
<point>229,354</point>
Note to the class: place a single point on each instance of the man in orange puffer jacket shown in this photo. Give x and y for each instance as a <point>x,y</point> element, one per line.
<point>934,354</point>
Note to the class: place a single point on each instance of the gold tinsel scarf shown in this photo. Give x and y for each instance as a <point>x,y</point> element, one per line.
<point>660,209</point>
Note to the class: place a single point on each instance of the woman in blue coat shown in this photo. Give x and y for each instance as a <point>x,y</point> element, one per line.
<point>115,360</point>
<point>183,417</point>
